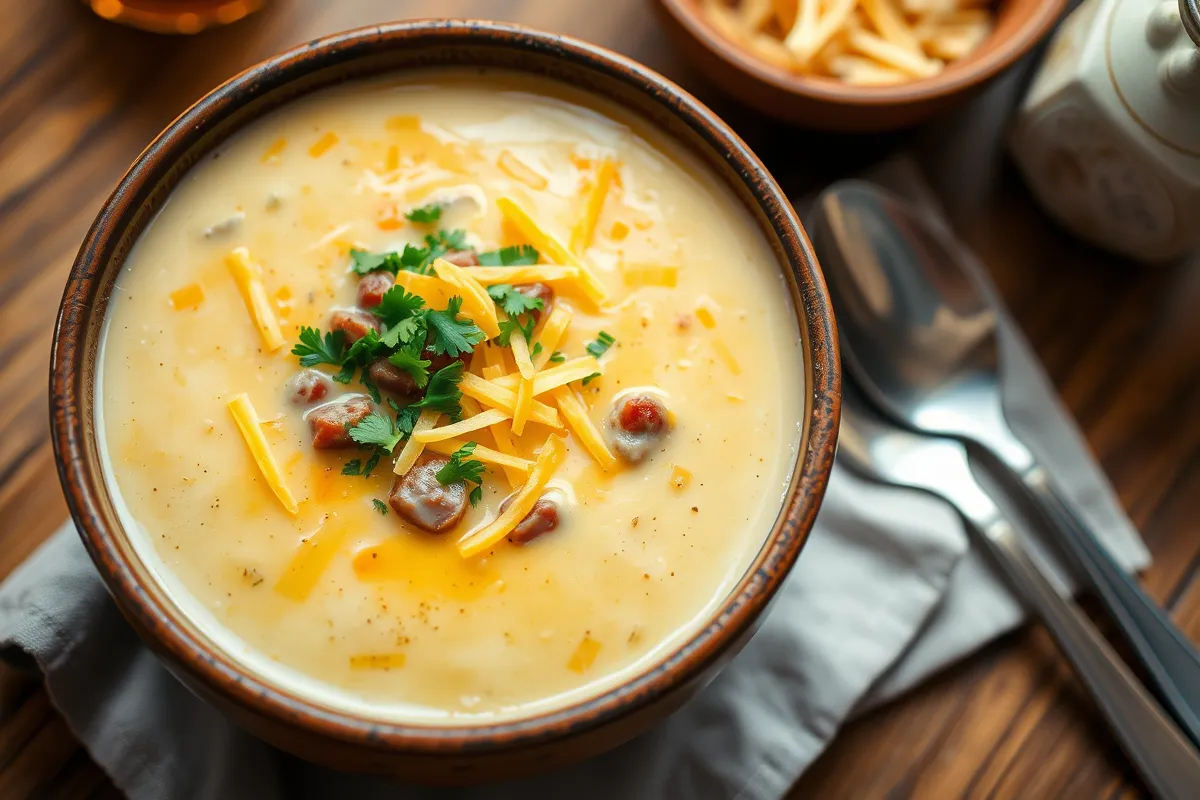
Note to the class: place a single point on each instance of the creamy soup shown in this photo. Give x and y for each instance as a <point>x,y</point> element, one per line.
<point>452,398</point>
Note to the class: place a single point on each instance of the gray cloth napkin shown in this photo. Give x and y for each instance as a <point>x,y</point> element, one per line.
<point>886,592</point>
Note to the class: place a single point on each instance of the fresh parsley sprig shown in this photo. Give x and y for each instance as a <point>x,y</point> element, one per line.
<point>426,214</point>
<point>461,467</point>
<point>442,394</point>
<point>314,350</point>
<point>520,255</point>
<point>378,431</point>
<point>513,301</point>
<point>412,258</point>
<point>452,336</point>
<point>522,325</point>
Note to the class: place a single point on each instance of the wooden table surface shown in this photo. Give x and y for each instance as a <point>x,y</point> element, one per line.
<point>80,97</point>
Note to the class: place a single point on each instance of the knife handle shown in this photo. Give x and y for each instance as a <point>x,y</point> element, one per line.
<point>1164,758</point>
<point>1171,662</point>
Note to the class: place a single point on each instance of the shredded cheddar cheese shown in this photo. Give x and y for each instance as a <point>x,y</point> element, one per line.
<point>273,152</point>
<point>538,273</point>
<point>576,415</point>
<point>248,277</point>
<point>520,351</point>
<point>477,304</point>
<point>247,422</point>
<point>504,443</point>
<point>524,403</point>
<point>649,275</point>
<point>384,661</point>
<point>322,145</point>
<point>581,237</point>
<point>727,356</point>
<point>190,296</point>
<point>680,477</point>
<point>521,466</point>
<point>574,370</point>
<point>436,293</point>
<point>483,419</point>
<point>413,447</point>
<point>551,247</point>
<point>518,170</point>
<point>551,334</point>
<point>312,557</point>
<point>495,396</point>
<point>584,656</point>
<point>479,540</point>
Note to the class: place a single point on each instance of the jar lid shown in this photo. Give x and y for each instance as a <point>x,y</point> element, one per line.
<point>1153,57</point>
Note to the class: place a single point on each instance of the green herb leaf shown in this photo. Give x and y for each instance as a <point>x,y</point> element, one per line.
<point>380,506</point>
<point>557,357</point>
<point>363,262</point>
<point>513,301</point>
<point>443,394</point>
<point>601,345</point>
<point>396,408</point>
<point>376,429</point>
<point>537,349</point>
<point>476,495</point>
<point>397,305</point>
<point>352,467</point>
<point>520,255</point>
<point>447,241</point>
<point>405,332</point>
<point>406,419</point>
<point>453,336</point>
<point>513,325</point>
<point>369,385</point>
<point>409,359</point>
<point>346,373</point>
<point>313,350</point>
<point>591,378</point>
<point>425,215</point>
<point>372,463</point>
<point>461,467</point>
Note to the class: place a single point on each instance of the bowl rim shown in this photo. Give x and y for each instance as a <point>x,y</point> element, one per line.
<point>149,607</point>
<point>951,81</point>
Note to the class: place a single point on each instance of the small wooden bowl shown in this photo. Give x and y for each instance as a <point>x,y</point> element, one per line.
<point>299,724</point>
<point>829,104</point>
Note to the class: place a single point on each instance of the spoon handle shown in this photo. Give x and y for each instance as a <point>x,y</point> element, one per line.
<point>1164,758</point>
<point>1170,660</point>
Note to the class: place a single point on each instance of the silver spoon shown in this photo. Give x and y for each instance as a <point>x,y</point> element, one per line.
<point>920,338</point>
<point>883,452</point>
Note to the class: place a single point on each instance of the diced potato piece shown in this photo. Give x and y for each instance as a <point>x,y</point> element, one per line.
<point>587,650</point>
<point>680,477</point>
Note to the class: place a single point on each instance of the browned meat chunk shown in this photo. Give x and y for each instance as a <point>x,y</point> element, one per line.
<point>354,323</point>
<point>635,425</point>
<point>372,287</point>
<point>331,424</point>
<point>419,498</point>
<point>389,377</point>
<point>543,518</point>
<point>462,258</point>
<point>542,292</point>
<point>308,386</point>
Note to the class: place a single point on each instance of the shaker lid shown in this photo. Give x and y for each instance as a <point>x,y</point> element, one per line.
<point>1153,60</point>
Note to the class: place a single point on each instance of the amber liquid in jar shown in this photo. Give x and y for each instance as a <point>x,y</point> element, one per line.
<point>174,16</point>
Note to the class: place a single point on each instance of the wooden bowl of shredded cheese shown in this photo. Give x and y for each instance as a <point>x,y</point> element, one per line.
<point>855,65</point>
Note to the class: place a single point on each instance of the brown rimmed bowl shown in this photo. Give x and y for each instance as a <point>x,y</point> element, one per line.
<point>429,753</point>
<point>828,104</point>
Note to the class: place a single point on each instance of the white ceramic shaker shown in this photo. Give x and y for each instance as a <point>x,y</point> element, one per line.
<point>1108,134</point>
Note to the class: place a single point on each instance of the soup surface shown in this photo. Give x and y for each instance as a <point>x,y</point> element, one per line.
<point>456,250</point>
